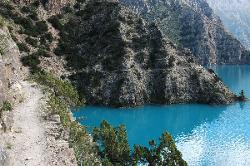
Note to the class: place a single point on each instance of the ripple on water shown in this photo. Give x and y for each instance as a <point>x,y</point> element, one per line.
<point>224,141</point>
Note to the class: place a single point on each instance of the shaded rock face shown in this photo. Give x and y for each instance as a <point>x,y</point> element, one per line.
<point>235,17</point>
<point>9,64</point>
<point>192,24</point>
<point>123,61</point>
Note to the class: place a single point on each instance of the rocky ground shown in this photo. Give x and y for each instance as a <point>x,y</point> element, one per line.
<point>34,138</point>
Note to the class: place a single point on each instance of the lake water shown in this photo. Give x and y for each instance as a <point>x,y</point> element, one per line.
<point>206,135</point>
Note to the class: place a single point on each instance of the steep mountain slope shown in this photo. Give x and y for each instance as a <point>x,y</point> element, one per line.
<point>235,17</point>
<point>51,5</point>
<point>9,64</point>
<point>192,24</point>
<point>120,60</point>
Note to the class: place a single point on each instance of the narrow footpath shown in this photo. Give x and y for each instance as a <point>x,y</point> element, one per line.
<point>31,141</point>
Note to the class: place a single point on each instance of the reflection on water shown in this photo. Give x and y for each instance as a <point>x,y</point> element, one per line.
<point>225,141</point>
<point>206,135</point>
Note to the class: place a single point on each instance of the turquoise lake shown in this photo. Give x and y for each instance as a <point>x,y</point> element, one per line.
<point>206,135</point>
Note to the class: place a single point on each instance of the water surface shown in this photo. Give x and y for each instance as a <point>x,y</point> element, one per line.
<point>206,135</point>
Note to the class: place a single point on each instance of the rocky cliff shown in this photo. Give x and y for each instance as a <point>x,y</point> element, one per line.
<point>120,60</point>
<point>192,24</point>
<point>9,64</point>
<point>235,17</point>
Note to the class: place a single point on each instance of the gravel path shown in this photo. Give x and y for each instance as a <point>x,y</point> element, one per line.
<point>35,140</point>
<point>29,142</point>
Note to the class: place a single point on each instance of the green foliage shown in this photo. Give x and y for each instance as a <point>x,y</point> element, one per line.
<point>61,88</point>
<point>31,41</point>
<point>2,21</point>
<point>41,52</point>
<point>41,27</point>
<point>165,154</point>
<point>55,21</point>
<point>63,96</point>
<point>36,3</point>
<point>113,143</point>
<point>1,51</point>
<point>23,47</point>
<point>114,149</point>
<point>46,38</point>
<point>33,16</point>
<point>31,61</point>
<point>6,106</point>
<point>85,151</point>
<point>26,9</point>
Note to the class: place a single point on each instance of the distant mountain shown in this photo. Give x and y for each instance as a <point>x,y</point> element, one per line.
<point>125,61</point>
<point>235,15</point>
<point>192,24</point>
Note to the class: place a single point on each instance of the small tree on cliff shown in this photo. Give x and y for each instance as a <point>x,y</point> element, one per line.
<point>165,154</point>
<point>114,148</point>
<point>113,143</point>
<point>242,96</point>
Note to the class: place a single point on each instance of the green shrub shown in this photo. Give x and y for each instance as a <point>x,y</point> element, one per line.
<point>32,41</point>
<point>7,6</point>
<point>41,27</point>
<point>165,153</point>
<point>2,21</point>
<point>36,3</point>
<point>31,61</point>
<point>6,106</point>
<point>113,143</point>
<point>42,52</point>
<point>23,47</point>
<point>26,9</point>
<point>55,21</point>
<point>46,38</point>
<point>26,23</point>
<point>49,37</point>
<point>114,148</point>
<point>67,9</point>
<point>33,16</point>
<point>61,88</point>
<point>64,95</point>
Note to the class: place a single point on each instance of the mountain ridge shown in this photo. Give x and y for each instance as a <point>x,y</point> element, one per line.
<point>234,15</point>
<point>193,25</point>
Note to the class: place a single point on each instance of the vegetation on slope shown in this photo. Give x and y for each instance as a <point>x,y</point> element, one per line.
<point>63,96</point>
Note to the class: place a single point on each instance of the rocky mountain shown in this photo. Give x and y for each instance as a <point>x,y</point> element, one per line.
<point>235,17</point>
<point>51,5</point>
<point>119,59</point>
<point>113,56</point>
<point>192,24</point>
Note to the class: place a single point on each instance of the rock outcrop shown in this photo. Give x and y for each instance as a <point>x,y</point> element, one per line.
<point>235,17</point>
<point>9,64</point>
<point>192,24</point>
<point>120,60</point>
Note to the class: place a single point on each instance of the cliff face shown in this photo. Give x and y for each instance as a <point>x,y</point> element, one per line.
<point>9,64</point>
<point>192,24</point>
<point>235,17</point>
<point>120,60</point>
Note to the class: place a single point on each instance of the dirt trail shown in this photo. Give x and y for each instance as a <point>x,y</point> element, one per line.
<point>29,142</point>
<point>35,140</point>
